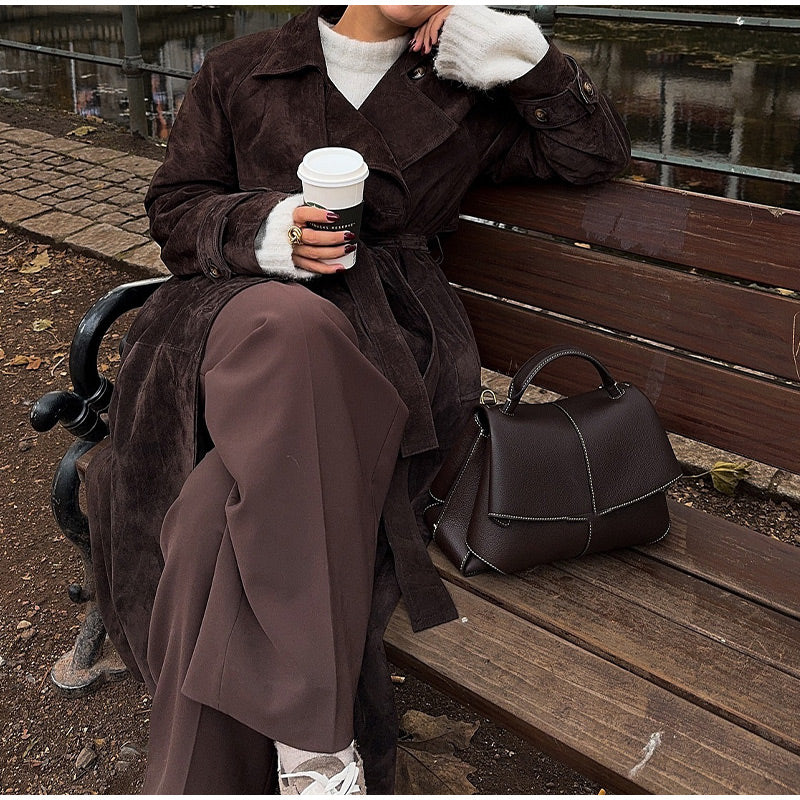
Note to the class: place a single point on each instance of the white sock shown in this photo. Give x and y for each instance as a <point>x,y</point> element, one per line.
<point>290,757</point>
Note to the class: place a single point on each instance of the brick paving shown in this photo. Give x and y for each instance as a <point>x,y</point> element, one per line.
<point>69,193</point>
<point>92,199</point>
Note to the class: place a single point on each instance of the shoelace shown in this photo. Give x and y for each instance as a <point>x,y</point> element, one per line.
<point>343,782</point>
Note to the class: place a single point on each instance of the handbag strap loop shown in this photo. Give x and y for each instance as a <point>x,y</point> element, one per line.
<point>528,371</point>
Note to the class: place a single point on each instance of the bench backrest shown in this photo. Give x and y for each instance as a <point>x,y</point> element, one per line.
<point>694,299</point>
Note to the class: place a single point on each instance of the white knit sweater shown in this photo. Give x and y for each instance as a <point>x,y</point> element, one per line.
<point>478,47</point>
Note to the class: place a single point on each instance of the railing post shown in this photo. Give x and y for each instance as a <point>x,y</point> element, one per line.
<point>132,67</point>
<point>546,17</point>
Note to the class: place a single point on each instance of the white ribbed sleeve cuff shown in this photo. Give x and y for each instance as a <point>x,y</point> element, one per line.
<point>483,48</point>
<point>273,251</point>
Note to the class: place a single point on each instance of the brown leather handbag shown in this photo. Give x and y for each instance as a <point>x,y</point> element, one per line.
<point>532,483</point>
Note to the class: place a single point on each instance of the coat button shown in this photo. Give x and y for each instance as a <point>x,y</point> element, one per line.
<point>541,115</point>
<point>213,272</point>
<point>588,88</point>
<point>417,72</point>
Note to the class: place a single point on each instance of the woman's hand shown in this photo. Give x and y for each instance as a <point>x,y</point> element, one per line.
<point>318,245</point>
<point>427,34</point>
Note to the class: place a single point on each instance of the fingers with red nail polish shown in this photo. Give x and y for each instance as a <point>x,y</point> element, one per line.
<point>318,246</point>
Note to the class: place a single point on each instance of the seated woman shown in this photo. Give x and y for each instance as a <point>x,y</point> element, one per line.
<point>277,420</point>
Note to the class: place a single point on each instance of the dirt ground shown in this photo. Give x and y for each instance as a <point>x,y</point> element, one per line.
<point>97,744</point>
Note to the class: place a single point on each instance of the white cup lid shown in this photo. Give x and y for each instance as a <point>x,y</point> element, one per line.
<point>332,166</point>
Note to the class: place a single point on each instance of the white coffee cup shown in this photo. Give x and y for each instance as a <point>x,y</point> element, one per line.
<point>333,178</point>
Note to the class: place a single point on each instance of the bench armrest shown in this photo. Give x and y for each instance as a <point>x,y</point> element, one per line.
<point>79,410</point>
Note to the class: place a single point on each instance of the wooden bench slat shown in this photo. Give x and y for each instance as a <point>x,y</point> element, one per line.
<point>750,564</point>
<point>697,400</point>
<point>746,240</point>
<point>742,326</point>
<point>83,461</point>
<point>586,711</point>
<point>673,668</point>
<point>698,668</point>
<point>712,611</point>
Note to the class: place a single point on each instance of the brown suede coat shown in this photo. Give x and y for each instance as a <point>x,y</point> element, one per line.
<point>255,108</point>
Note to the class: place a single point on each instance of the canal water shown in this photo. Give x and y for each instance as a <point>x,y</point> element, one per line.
<point>725,95</point>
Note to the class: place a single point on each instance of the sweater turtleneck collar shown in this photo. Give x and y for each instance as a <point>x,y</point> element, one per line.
<point>356,67</point>
<point>358,54</point>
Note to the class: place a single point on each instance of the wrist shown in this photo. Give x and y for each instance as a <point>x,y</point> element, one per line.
<point>273,250</point>
<point>483,48</point>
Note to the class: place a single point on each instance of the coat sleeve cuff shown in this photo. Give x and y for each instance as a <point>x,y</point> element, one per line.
<point>272,249</point>
<point>234,236</point>
<point>483,48</point>
<point>557,92</point>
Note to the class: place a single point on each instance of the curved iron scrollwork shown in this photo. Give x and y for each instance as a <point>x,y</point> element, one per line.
<point>89,663</point>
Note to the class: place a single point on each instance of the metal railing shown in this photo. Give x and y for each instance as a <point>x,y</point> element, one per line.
<point>547,15</point>
<point>134,67</point>
<point>107,60</point>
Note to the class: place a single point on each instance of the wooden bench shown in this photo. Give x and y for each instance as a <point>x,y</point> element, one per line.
<point>673,668</point>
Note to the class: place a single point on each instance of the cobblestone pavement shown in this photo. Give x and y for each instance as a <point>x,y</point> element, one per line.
<point>78,195</point>
<point>91,199</point>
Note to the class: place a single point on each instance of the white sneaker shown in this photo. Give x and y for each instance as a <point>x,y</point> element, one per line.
<point>323,775</point>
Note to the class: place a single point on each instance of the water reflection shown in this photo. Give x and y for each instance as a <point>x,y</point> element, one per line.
<point>726,95</point>
<point>173,36</point>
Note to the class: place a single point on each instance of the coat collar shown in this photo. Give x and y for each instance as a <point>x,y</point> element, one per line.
<point>297,44</point>
<point>388,140</point>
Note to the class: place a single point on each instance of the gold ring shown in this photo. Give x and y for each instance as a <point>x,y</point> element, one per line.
<point>295,235</point>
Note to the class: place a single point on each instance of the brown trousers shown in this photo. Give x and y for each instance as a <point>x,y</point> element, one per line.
<point>259,622</point>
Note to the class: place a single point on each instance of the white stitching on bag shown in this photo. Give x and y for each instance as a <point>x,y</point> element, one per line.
<point>588,541</point>
<point>585,454</point>
<point>458,480</point>
<point>480,558</point>
<point>498,515</point>
<point>643,497</point>
<point>581,519</point>
<point>663,535</point>
<point>544,363</point>
<point>436,502</point>
<point>620,388</point>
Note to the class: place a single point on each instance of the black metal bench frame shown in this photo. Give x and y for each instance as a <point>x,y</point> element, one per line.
<point>676,246</point>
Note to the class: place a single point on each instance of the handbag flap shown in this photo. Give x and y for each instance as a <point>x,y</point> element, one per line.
<point>578,456</point>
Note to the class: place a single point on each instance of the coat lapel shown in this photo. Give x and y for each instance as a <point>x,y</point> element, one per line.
<point>403,87</point>
<point>389,142</point>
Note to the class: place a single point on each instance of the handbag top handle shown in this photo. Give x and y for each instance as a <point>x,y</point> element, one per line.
<point>528,371</point>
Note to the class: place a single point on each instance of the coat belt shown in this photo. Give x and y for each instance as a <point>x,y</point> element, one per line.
<point>396,361</point>
<point>407,241</point>
<point>427,600</point>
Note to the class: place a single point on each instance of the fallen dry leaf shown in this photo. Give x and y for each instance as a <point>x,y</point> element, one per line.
<point>437,734</point>
<point>42,324</point>
<point>34,362</point>
<point>83,130</point>
<point>426,763</point>
<point>726,475</point>
<point>423,773</point>
<point>37,265</point>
